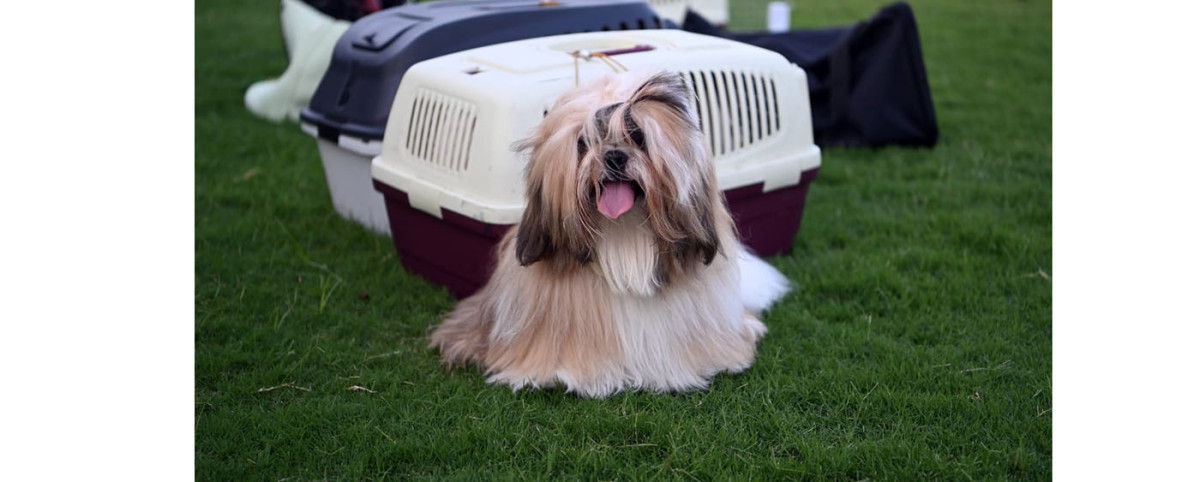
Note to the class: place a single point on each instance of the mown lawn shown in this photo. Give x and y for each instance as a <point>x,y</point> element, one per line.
<point>917,345</point>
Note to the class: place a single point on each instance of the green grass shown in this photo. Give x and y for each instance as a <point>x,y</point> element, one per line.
<point>917,345</point>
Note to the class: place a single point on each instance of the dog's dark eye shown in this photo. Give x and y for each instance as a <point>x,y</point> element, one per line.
<point>581,147</point>
<point>634,131</point>
<point>638,138</point>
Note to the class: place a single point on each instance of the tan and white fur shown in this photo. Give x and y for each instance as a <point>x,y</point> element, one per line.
<point>625,271</point>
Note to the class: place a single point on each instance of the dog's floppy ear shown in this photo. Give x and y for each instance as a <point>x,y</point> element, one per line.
<point>533,239</point>
<point>697,221</point>
<point>693,226</point>
<point>552,226</point>
<point>543,235</point>
<point>687,231</point>
<point>704,241</point>
<point>681,196</point>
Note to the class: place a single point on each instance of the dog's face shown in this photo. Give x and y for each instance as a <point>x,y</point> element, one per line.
<point>624,146</point>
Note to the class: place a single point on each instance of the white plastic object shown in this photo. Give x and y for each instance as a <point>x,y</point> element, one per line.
<point>779,17</point>
<point>715,11</point>
<point>348,172</point>
<point>448,142</point>
<point>309,36</point>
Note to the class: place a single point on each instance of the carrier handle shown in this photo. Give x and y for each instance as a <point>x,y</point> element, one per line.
<point>606,57</point>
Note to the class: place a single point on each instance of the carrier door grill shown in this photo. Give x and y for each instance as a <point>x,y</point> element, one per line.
<point>736,109</point>
<point>440,130</point>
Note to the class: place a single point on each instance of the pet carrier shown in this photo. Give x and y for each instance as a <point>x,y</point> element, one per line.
<point>453,184</point>
<point>350,107</point>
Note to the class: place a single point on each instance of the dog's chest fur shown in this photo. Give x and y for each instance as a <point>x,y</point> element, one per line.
<point>626,254</point>
<point>670,335</point>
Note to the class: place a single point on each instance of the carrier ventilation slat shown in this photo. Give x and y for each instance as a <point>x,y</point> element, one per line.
<point>736,109</point>
<point>440,130</point>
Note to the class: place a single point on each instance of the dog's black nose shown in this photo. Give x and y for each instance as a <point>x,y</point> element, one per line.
<point>615,160</point>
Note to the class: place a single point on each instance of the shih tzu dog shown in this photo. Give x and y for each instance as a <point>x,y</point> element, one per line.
<point>625,271</point>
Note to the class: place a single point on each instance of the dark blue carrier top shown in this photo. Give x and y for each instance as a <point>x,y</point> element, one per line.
<point>356,93</point>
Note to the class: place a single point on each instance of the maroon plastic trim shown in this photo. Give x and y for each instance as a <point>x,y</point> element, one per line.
<point>458,252</point>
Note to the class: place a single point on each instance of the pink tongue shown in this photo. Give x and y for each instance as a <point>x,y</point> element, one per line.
<point>616,199</point>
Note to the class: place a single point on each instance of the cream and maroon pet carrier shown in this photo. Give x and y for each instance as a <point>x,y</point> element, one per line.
<point>453,184</point>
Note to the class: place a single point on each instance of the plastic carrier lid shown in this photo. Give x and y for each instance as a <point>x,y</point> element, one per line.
<point>369,60</point>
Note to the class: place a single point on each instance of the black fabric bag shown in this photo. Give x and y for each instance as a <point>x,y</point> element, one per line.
<point>866,82</point>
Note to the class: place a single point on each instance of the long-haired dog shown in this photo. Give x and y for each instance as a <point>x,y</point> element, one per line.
<point>626,271</point>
